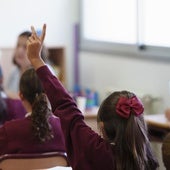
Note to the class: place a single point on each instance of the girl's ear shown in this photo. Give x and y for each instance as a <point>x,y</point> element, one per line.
<point>101,130</point>
<point>21,96</point>
<point>101,125</point>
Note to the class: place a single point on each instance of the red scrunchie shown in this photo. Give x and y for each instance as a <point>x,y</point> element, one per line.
<point>126,105</point>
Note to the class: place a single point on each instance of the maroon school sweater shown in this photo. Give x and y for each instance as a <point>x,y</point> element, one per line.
<point>16,137</point>
<point>86,149</point>
<point>15,109</point>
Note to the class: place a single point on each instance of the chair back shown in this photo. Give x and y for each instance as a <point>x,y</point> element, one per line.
<point>166,151</point>
<point>33,161</point>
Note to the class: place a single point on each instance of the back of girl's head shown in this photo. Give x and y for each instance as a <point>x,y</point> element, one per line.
<point>32,90</point>
<point>30,85</point>
<point>124,125</point>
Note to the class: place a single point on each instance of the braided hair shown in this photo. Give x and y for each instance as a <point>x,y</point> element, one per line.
<point>32,90</point>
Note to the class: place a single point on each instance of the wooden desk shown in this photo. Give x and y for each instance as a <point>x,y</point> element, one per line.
<point>158,125</point>
<point>158,120</point>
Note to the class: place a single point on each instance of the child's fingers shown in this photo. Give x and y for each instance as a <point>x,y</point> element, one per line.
<point>29,40</point>
<point>34,34</point>
<point>43,33</point>
<point>28,43</point>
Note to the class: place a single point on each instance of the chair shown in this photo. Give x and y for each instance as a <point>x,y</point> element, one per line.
<point>166,151</point>
<point>33,161</point>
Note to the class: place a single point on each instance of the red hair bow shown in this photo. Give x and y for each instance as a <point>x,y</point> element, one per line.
<point>126,105</point>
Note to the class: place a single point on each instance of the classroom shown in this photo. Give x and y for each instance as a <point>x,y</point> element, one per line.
<point>97,47</point>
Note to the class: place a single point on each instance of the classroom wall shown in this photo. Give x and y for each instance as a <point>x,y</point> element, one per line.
<point>106,73</point>
<point>101,72</point>
<point>18,15</point>
<point>148,78</point>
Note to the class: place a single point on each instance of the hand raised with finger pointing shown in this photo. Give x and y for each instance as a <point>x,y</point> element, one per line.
<point>34,46</point>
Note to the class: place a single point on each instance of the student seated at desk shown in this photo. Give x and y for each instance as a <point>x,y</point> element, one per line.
<point>9,108</point>
<point>125,144</point>
<point>40,131</point>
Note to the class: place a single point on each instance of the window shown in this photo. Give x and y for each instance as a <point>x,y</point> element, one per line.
<point>156,24</point>
<point>138,27</point>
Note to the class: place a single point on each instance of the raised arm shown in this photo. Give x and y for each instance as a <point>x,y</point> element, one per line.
<point>57,94</point>
<point>81,142</point>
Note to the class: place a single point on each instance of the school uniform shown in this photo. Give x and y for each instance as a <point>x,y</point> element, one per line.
<point>15,109</point>
<point>16,136</point>
<point>86,149</point>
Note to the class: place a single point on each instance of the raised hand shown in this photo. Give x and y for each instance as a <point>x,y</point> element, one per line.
<point>34,46</point>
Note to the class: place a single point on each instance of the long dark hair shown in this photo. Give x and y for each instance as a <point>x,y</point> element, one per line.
<point>32,90</point>
<point>132,147</point>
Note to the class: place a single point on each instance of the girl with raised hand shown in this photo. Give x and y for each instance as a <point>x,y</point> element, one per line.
<point>124,144</point>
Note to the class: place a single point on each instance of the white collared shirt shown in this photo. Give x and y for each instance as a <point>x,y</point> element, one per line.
<point>3,94</point>
<point>28,114</point>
